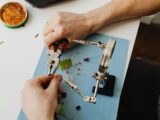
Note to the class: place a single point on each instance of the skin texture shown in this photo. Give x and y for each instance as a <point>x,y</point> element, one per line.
<point>39,103</point>
<point>78,26</point>
<point>35,99</point>
<point>59,27</point>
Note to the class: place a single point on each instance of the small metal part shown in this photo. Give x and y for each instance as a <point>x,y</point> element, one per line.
<point>85,42</point>
<point>107,88</point>
<point>99,76</point>
<point>74,87</point>
<point>54,54</point>
<point>96,88</point>
<point>90,99</point>
<point>53,60</point>
<point>107,54</point>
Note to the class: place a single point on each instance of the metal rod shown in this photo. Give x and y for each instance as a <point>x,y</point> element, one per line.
<point>96,88</point>
<point>74,87</point>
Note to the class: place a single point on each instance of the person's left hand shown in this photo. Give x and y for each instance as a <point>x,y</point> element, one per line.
<point>66,25</point>
<point>39,103</point>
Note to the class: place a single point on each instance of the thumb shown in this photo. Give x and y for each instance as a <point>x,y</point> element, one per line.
<point>54,84</point>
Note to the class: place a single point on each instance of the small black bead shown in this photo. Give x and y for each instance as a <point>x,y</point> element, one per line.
<point>64,95</point>
<point>78,107</point>
<point>86,59</point>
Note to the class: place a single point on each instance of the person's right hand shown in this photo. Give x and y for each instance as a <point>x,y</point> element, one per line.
<point>65,25</point>
<point>39,103</point>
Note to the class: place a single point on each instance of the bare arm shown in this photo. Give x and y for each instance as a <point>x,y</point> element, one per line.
<point>120,10</point>
<point>77,26</point>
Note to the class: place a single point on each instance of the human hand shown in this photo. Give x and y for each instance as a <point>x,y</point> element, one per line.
<point>39,103</point>
<point>65,25</point>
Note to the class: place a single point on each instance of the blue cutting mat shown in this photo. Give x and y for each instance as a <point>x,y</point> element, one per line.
<point>106,107</point>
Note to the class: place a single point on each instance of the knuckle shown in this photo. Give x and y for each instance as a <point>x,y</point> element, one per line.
<point>59,21</point>
<point>62,30</point>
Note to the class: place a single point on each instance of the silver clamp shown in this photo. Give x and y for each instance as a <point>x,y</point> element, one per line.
<point>101,74</point>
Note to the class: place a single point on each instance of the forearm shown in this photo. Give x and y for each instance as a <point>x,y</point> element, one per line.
<point>120,10</point>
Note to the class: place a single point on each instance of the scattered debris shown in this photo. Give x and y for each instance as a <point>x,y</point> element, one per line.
<point>67,72</point>
<point>36,35</point>
<point>1,42</point>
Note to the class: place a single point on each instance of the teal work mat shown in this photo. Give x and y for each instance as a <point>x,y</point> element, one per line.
<point>81,74</point>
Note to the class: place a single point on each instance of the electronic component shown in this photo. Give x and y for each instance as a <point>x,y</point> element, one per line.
<point>101,76</point>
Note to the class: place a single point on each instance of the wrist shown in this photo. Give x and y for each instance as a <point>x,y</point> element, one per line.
<point>98,18</point>
<point>43,118</point>
<point>40,117</point>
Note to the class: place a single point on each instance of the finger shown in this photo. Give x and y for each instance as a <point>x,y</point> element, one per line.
<point>50,25</point>
<point>48,29</point>
<point>54,84</point>
<point>53,37</point>
<point>43,79</point>
<point>60,91</point>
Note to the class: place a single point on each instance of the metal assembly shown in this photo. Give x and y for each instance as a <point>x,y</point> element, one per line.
<point>85,42</point>
<point>53,60</point>
<point>101,76</point>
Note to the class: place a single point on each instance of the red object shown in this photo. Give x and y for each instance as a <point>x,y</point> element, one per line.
<point>36,35</point>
